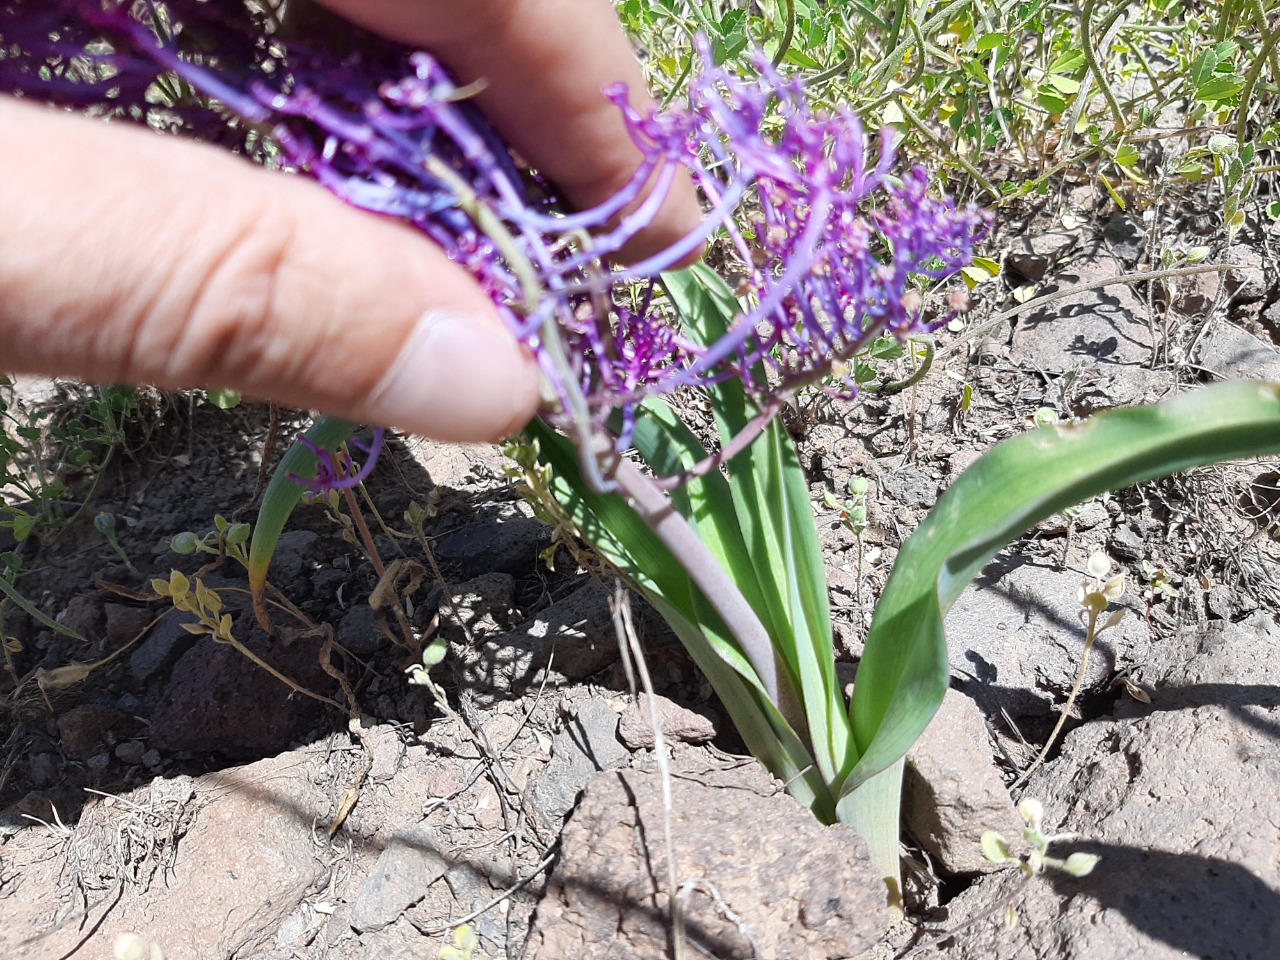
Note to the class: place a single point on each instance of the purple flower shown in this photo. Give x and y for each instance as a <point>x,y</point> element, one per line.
<point>828,263</point>
<point>337,471</point>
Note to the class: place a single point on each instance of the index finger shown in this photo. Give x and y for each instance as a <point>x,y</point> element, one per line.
<point>544,64</point>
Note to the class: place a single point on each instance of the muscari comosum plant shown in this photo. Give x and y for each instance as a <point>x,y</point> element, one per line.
<point>829,250</point>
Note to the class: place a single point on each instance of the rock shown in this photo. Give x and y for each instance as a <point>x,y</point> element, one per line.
<point>220,701</point>
<point>1121,386</point>
<point>230,855</point>
<point>1178,798</point>
<point>588,744</point>
<point>409,864</point>
<point>1091,513</point>
<point>359,632</point>
<point>635,727</point>
<point>1271,314</point>
<point>1104,327</point>
<point>1193,295</point>
<point>44,769</point>
<point>298,930</point>
<point>1014,634</point>
<point>482,605</point>
<point>164,645</point>
<point>294,553</point>
<point>574,638</point>
<point>124,622</point>
<point>907,484</point>
<point>761,877</point>
<point>952,793</point>
<point>1127,543</point>
<point>1033,256</point>
<point>84,615</point>
<point>85,730</point>
<point>1125,237</point>
<point>1248,282</point>
<point>1232,354</point>
<point>456,465</point>
<point>506,546</point>
<point>131,751</point>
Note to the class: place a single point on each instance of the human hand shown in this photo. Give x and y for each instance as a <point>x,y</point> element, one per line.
<point>126,256</point>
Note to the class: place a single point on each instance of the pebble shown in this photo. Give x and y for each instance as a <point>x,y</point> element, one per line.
<point>131,751</point>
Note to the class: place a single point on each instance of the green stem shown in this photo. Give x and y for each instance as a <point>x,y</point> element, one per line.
<point>1269,41</point>
<point>898,386</point>
<point>788,30</point>
<point>661,516</point>
<point>968,167</point>
<point>1091,61</point>
<point>492,226</point>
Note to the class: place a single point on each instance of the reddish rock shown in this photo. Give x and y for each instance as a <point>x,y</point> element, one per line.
<point>83,614</point>
<point>760,876</point>
<point>952,792</point>
<point>635,726</point>
<point>124,622</point>
<point>219,701</point>
<point>89,729</point>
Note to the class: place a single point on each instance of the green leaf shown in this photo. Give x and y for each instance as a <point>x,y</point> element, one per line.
<point>1080,864</point>
<point>1063,84</point>
<point>1050,100</point>
<point>224,399</point>
<point>36,613</point>
<point>903,674</point>
<point>1068,62</point>
<point>1203,67</point>
<point>771,500</point>
<point>996,848</point>
<point>798,58</point>
<point>621,536</point>
<point>22,524</point>
<point>1219,88</point>
<point>282,496</point>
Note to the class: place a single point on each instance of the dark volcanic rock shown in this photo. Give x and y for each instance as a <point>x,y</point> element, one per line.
<point>219,701</point>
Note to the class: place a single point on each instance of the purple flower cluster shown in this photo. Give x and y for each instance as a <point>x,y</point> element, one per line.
<point>828,259</point>
<point>337,471</point>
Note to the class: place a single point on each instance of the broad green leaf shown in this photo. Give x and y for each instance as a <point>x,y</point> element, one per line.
<point>621,536</point>
<point>22,524</point>
<point>1203,67</point>
<point>1050,100</point>
<point>903,674</point>
<point>1068,62</point>
<point>282,496</point>
<point>1219,88</point>
<point>776,519</point>
<point>798,58</point>
<point>1063,84</point>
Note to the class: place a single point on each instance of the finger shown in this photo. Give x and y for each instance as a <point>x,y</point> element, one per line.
<point>150,259</point>
<point>545,63</point>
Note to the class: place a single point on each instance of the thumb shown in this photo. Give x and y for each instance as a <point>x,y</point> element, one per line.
<point>126,256</point>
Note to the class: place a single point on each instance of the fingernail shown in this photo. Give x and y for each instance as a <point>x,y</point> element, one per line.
<point>458,378</point>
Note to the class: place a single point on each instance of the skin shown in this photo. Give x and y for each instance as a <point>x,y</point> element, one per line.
<point>126,256</point>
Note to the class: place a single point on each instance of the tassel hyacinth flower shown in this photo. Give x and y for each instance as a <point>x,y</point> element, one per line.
<point>827,261</point>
